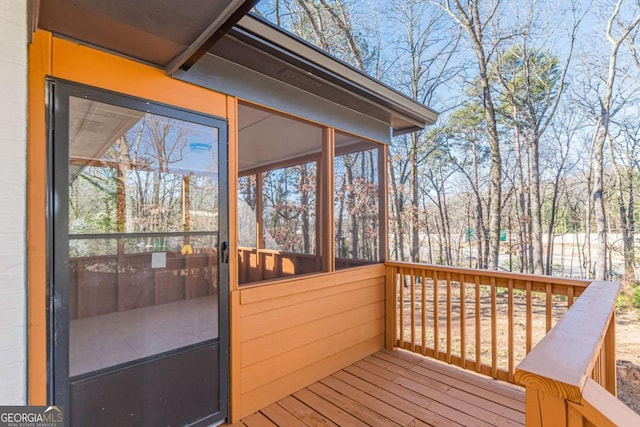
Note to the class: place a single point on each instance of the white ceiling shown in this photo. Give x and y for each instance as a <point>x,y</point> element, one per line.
<point>265,138</point>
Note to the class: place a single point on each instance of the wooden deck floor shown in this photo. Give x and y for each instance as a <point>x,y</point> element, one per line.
<point>397,389</point>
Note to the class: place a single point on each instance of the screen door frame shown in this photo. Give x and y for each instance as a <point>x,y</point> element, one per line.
<point>57,219</point>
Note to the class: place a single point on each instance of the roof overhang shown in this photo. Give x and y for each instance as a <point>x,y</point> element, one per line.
<point>175,35</point>
<point>257,44</point>
<point>166,33</point>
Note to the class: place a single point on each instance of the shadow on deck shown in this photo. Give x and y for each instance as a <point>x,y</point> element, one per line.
<point>397,389</point>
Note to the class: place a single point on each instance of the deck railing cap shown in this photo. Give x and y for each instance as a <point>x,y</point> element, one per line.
<point>562,361</point>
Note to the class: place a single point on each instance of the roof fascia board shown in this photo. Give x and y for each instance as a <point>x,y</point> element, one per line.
<point>328,76</point>
<point>299,47</point>
<point>225,76</point>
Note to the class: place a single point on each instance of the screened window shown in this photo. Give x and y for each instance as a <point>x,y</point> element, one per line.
<point>289,213</point>
<point>278,162</point>
<point>356,201</point>
<point>247,205</point>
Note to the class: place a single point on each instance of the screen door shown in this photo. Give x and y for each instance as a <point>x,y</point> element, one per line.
<point>139,279</point>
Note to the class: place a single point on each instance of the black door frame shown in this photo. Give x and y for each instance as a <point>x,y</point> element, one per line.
<point>57,220</point>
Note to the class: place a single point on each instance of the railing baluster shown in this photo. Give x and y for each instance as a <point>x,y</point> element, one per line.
<point>412,280</point>
<point>478,325</point>
<point>463,321</point>
<point>494,330</point>
<point>529,318</point>
<point>510,328</point>
<point>549,307</point>
<point>401,286</point>
<point>448,317</point>
<point>394,275</point>
<point>436,338</point>
<point>424,311</point>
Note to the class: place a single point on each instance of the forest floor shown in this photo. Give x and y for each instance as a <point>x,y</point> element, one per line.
<point>628,355</point>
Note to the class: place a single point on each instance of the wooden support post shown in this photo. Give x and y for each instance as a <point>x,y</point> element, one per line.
<point>383,240</point>
<point>232,178</point>
<point>259,226</point>
<point>326,188</point>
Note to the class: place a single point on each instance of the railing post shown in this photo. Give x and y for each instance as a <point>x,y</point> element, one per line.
<point>544,409</point>
<point>557,370</point>
<point>390,308</point>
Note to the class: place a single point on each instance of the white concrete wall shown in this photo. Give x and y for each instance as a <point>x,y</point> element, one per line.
<point>13,148</point>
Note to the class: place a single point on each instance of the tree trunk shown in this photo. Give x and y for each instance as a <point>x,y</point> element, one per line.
<point>469,20</point>
<point>521,207</point>
<point>304,201</point>
<point>415,229</point>
<point>629,248</point>
<point>601,135</point>
<point>598,199</point>
<point>536,211</point>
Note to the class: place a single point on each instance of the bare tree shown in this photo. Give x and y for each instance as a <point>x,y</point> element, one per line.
<point>602,132</point>
<point>624,152</point>
<point>467,16</point>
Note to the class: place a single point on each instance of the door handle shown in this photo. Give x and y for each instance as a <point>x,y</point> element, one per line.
<point>224,250</point>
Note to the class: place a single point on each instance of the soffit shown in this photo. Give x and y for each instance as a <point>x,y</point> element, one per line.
<point>157,31</point>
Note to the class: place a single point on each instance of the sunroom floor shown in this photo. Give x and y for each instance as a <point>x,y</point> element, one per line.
<point>397,388</point>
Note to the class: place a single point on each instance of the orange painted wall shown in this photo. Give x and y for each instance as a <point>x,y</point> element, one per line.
<point>305,327</point>
<point>63,59</point>
<point>287,335</point>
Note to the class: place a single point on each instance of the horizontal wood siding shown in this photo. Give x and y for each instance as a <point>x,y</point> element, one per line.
<point>290,334</point>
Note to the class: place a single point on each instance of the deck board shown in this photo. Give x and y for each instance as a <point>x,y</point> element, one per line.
<point>398,389</point>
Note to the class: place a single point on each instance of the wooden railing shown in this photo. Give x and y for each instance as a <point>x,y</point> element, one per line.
<point>256,265</point>
<point>485,321</point>
<point>570,376</point>
<point>106,284</point>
